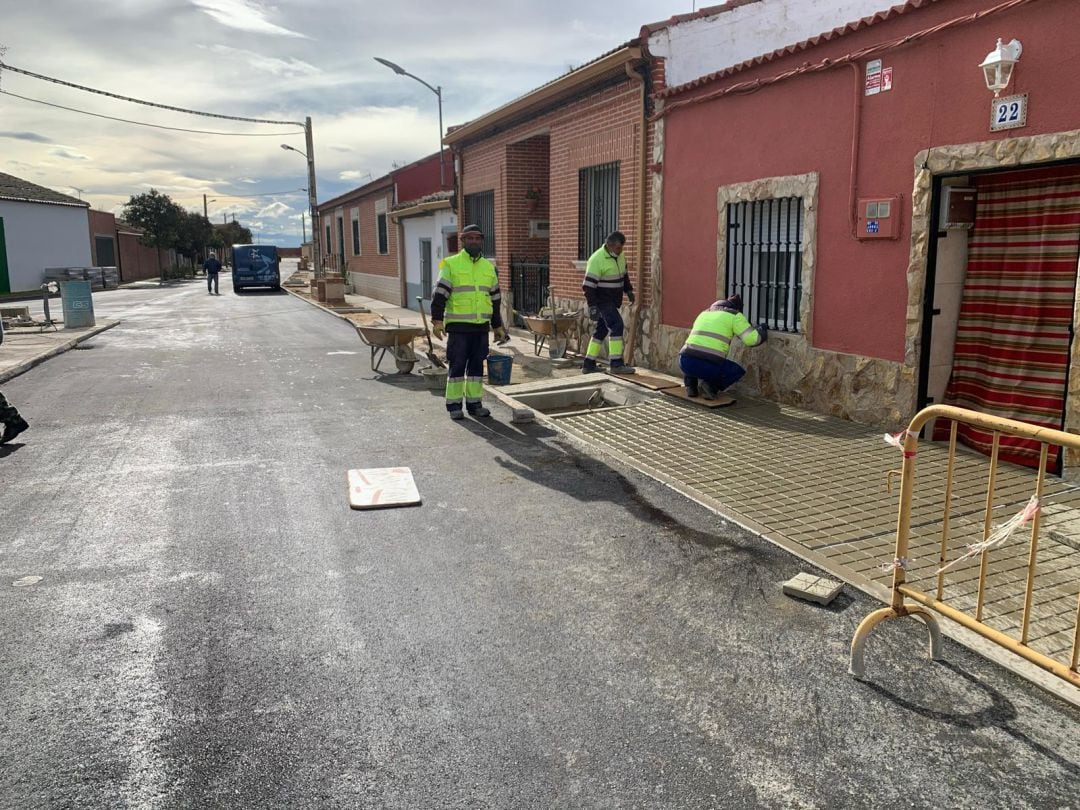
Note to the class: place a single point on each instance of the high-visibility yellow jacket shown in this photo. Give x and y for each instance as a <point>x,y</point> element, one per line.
<point>606,278</point>
<point>467,296</point>
<point>710,337</point>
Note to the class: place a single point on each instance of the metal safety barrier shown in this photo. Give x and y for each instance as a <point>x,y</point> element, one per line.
<point>909,598</point>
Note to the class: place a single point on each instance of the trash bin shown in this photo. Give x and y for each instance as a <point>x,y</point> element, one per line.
<point>78,304</point>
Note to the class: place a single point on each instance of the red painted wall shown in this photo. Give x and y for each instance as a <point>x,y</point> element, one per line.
<point>805,124</point>
<point>422,178</point>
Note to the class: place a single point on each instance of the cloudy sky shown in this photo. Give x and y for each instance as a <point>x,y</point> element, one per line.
<point>280,60</point>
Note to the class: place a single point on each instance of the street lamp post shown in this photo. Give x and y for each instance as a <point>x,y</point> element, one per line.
<point>398,69</point>
<point>312,198</point>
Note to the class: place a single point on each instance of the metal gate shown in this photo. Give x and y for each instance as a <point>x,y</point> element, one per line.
<point>529,282</point>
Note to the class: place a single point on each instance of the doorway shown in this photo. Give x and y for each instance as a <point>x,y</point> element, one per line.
<point>998,324</point>
<point>425,269</point>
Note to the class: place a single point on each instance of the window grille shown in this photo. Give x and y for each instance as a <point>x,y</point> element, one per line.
<point>384,235</point>
<point>764,260</point>
<point>480,210</point>
<point>598,206</point>
<point>356,237</point>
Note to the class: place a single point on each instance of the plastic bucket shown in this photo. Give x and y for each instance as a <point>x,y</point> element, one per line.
<point>435,377</point>
<point>499,367</point>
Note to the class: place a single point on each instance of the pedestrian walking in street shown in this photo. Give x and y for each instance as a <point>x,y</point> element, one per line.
<point>465,305</point>
<point>11,423</point>
<point>605,282</point>
<point>212,267</point>
<point>703,358</point>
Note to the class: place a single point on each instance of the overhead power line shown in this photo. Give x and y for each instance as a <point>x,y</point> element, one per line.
<point>6,66</point>
<point>155,126</point>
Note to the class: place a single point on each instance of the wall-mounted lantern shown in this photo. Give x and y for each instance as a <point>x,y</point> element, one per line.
<point>998,65</point>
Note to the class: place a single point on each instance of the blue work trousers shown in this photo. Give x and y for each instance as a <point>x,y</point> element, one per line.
<point>719,374</point>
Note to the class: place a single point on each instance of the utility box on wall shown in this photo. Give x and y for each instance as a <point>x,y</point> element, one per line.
<point>878,218</point>
<point>958,207</point>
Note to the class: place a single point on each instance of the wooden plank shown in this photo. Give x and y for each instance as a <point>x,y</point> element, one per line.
<point>654,382</point>
<point>721,401</point>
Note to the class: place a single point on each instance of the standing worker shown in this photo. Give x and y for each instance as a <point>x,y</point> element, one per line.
<point>703,358</point>
<point>212,267</point>
<point>467,300</point>
<point>605,282</point>
<point>11,423</point>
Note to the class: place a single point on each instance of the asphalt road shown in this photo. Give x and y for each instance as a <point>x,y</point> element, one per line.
<point>214,627</point>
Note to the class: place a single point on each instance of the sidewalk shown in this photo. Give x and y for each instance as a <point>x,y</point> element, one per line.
<point>816,486</point>
<point>23,348</point>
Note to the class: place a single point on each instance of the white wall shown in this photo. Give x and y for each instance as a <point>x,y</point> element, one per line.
<point>699,47</point>
<point>40,236</point>
<point>429,226</point>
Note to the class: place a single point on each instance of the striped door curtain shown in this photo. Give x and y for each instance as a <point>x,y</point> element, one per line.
<point>1016,312</point>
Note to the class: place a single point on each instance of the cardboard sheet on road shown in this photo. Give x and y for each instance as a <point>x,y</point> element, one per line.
<point>721,401</point>
<point>382,488</point>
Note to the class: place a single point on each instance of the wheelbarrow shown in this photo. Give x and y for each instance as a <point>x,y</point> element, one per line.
<point>397,340</point>
<point>557,328</point>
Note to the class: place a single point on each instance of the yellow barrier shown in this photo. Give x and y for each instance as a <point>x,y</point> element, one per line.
<point>937,602</point>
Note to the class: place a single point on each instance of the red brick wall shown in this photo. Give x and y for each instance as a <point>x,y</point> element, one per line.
<point>137,261</point>
<point>527,166</point>
<point>102,223</point>
<point>598,128</point>
<point>369,260</point>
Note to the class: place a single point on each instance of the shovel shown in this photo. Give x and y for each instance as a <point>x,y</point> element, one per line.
<point>435,361</point>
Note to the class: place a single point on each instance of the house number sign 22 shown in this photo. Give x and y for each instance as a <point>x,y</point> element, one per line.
<point>1009,112</point>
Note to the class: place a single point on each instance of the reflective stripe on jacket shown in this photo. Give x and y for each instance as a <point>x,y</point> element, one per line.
<point>710,337</point>
<point>467,291</point>
<point>606,278</point>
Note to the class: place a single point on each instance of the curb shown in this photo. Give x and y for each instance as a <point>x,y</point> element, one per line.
<point>26,365</point>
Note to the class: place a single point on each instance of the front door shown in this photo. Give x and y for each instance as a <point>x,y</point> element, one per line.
<point>425,268</point>
<point>1015,324</point>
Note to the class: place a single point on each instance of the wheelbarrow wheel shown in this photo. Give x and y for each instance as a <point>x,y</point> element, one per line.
<point>404,366</point>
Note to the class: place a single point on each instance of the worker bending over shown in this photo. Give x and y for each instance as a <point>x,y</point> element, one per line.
<point>703,358</point>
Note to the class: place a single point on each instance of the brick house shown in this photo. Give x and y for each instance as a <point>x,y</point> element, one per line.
<point>551,173</point>
<point>916,243</point>
<point>359,238</point>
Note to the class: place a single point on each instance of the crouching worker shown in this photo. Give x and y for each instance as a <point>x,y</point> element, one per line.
<point>703,358</point>
<point>464,306</point>
<point>11,423</point>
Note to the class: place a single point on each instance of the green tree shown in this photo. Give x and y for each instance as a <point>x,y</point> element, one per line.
<point>229,234</point>
<point>194,234</point>
<point>158,217</point>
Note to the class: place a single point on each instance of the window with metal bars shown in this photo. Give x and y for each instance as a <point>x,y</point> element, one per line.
<point>764,260</point>
<point>598,206</point>
<point>480,210</point>
<point>355,234</point>
<point>384,234</point>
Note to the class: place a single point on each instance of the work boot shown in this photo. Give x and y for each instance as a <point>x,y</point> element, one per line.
<point>479,412</point>
<point>692,390</point>
<point>589,367</point>
<point>708,391</point>
<point>457,415</point>
<point>13,429</point>
<point>622,368</point>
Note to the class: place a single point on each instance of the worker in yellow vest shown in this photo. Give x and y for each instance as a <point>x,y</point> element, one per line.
<point>703,358</point>
<point>605,282</point>
<point>464,306</point>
